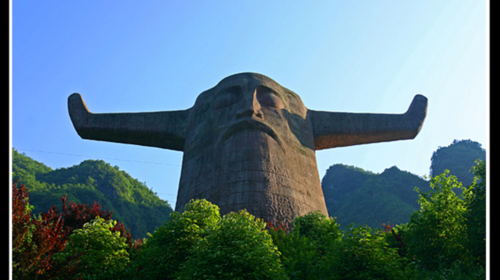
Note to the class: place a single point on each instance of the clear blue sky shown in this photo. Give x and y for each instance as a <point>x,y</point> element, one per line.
<point>348,56</point>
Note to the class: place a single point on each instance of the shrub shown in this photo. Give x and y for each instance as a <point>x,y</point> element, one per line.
<point>101,253</point>
<point>436,233</point>
<point>475,215</point>
<point>299,255</point>
<point>303,249</point>
<point>34,241</point>
<point>170,244</point>
<point>238,247</point>
<point>318,228</point>
<point>362,253</point>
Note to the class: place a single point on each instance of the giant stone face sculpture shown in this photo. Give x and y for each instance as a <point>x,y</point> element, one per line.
<point>249,143</point>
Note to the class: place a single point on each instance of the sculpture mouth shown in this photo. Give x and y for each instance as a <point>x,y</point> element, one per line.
<point>249,123</point>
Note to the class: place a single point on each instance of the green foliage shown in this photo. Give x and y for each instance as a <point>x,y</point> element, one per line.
<point>303,249</point>
<point>354,195</point>
<point>457,158</point>
<point>317,248</point>
<point>93,180</point>
<point>170,244</point>
<point>202,213</point>
<point>357,196</point>
<point>475,215</point>
<point>101,253</point>
<point>318,228</point>
<point>455,272</point>
<point>237,247</point>
<point>436,234</point>
<point>340,181</point>
<point>198,244</point>
<point>316,225</point>
<point>26,168</point>
<point>299,254</point>
<point>362,253</point>
<point>395,238</point>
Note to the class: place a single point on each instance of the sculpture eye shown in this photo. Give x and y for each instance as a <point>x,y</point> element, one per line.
<point>270,98</point>
<point>227,97</point>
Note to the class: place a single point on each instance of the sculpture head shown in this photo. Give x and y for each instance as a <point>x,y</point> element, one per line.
<point>249,138</point>
<point>249,142</point>
<point>243,102</point>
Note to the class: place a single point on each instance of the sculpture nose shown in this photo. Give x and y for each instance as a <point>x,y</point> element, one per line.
<point>251,108</point>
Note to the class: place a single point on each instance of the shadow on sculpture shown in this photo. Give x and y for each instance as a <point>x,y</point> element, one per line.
<point>249,143</point>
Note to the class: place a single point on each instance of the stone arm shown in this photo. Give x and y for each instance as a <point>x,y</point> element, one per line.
<point>155,129</point>
<point>334,129</point>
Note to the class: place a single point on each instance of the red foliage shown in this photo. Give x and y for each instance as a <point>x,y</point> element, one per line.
<point>75,215</point>
<point>124,233</point>
<point>21,216</point>
<point>53,236</point>
<point>280,225</point>
<point>21,221</point>
<point>397,237</point>
<point>387,227</point>
<point>36,240</point>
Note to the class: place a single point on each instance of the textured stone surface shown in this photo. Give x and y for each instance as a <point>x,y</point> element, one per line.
<point>249,143</point>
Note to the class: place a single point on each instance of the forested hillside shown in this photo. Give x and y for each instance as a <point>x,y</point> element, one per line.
<point>354,195</point>
<point>132,203</point>
<point>458,157</point>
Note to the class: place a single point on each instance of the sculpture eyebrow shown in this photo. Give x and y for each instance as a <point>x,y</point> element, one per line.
<point>224,89</point>
<point>291,93</point>
<point>273,89</point>
<point>227,85</point>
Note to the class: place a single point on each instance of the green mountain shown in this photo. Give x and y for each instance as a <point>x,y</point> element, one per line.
<point>458,157</point>
<point>354,195</point>
<point>132,203</point>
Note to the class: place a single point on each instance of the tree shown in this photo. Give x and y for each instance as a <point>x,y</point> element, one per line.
<point>362,253</point>
<point>318,228</point>
<point>475,214</point>
<point>170,244</point>
<point>238,247</point>
<point>92,180</point>
<point>306,245</point>
<point>357,196</point>
<point>299,255</point>
<point>37,239</point>
<point>34,241</point>
<point>436,233</point>
<point>101,253</point>
<point>458,157</point>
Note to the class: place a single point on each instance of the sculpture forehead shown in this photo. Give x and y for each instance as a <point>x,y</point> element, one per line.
<point>248,81</point>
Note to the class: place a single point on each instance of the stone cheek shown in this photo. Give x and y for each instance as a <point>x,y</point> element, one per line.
<point>250,170</point>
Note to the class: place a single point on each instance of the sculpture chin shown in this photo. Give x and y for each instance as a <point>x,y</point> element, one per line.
<point>249,124</point>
